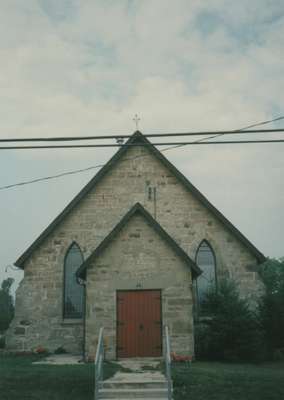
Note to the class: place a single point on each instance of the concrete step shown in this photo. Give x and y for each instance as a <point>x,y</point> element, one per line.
<point>137,384</point>
<point>133,393</point>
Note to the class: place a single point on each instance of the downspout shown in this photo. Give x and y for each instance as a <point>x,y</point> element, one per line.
<point>83,283</point>
<point>155,202</point>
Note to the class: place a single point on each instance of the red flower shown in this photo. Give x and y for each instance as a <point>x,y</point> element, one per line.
<point>176,357</point>
<point>40,350</point>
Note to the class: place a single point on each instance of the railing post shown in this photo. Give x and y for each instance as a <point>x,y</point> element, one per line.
<point>167,355</point>
<point>99,359</point>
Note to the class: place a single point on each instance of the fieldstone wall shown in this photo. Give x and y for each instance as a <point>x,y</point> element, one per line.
<point>38,319</point>
<point>139,259</point>
<point>40,295</point>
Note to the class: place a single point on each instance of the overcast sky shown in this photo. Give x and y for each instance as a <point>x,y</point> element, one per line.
<point>86,67</point>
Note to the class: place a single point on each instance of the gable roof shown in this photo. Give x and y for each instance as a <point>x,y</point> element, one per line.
<point>138,139</point>
<point>139,209</point>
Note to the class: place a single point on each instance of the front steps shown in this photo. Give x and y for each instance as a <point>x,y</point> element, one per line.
<point>145,385</point>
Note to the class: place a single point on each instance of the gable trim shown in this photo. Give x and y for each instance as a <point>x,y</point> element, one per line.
<point>138,209</point>
<point>137,137</point>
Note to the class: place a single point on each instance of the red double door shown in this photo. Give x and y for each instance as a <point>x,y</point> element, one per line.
<point>139,324</point>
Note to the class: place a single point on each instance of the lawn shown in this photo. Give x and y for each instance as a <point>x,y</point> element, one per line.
<point>221,381</point>
<point>20,379</point>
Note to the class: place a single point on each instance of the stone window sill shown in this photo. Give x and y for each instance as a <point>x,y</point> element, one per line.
<point>72,321</point>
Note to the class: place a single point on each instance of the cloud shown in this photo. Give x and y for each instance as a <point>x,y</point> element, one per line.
<point>102,55</point>
<point>84,68</point>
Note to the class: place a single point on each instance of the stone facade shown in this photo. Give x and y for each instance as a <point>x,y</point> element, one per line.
<point>39,297</point>
<point>138,257</point>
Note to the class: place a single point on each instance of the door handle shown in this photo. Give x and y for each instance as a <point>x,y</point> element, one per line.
<point>141,327</point>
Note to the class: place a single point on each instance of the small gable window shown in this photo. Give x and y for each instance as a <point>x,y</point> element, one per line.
<point>73,292</point>
<point>205,259</point>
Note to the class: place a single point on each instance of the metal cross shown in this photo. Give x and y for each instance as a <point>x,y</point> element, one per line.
<point>136,120</point>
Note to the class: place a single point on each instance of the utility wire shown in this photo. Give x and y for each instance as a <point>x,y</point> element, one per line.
<point>244,129</point>
<point>239,131</point>
<point>101,165</point>
<point>46,178</point>
<point>150,135</point>
<point>269,121</point>
<point>197,133</point>
<point>80,146</point>
<point>76,171</point>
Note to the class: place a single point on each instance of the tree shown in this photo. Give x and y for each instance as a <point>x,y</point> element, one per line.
<point>271,306</point>
<point>6,304</point>
<point>231,329</point>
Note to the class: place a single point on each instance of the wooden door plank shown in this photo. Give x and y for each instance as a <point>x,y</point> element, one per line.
<point>139,323</point>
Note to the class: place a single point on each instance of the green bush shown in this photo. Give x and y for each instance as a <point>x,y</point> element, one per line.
<point>6,304</point>
<point>271,307</point>
<point>231,330</point>
<point>2,342</point>
<point>60,350</point>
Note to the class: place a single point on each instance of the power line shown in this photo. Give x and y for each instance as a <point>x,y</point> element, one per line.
<point>101,165</point>
<point>149,135</point>
<point>244,129</point>
<point>269,121</point>
<point>46,178</point>
<point>241,130</point>
<point>196,133</point>
<point>76,171</point>
<point>103,145</point>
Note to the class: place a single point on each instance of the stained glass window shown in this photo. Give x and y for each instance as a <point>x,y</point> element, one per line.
<point>205,259</point>
<point>73,292</point>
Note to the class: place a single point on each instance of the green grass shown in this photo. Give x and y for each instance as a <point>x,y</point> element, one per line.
<point>20,379</point>
<point>219,381</point>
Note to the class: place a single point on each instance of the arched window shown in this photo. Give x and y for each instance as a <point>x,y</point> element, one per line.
<point>73,292</point>
<point>205,259</point>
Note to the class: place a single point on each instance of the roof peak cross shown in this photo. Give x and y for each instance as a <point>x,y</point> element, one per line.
<point>136,119</point>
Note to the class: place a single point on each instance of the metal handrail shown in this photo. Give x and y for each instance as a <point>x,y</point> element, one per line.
<point>167,356</point>
<point>99,361</point>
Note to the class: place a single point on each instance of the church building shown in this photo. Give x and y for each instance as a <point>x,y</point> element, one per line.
<point>134,251</point>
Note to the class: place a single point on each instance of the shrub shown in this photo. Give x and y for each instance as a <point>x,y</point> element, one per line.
<point>271,307</point>
<point>2,342</point>
<point>60,350</point>
<point>6,304</point>
<point>231,330</point>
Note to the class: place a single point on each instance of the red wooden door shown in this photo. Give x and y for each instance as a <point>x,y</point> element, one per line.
<point>139,323</point>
